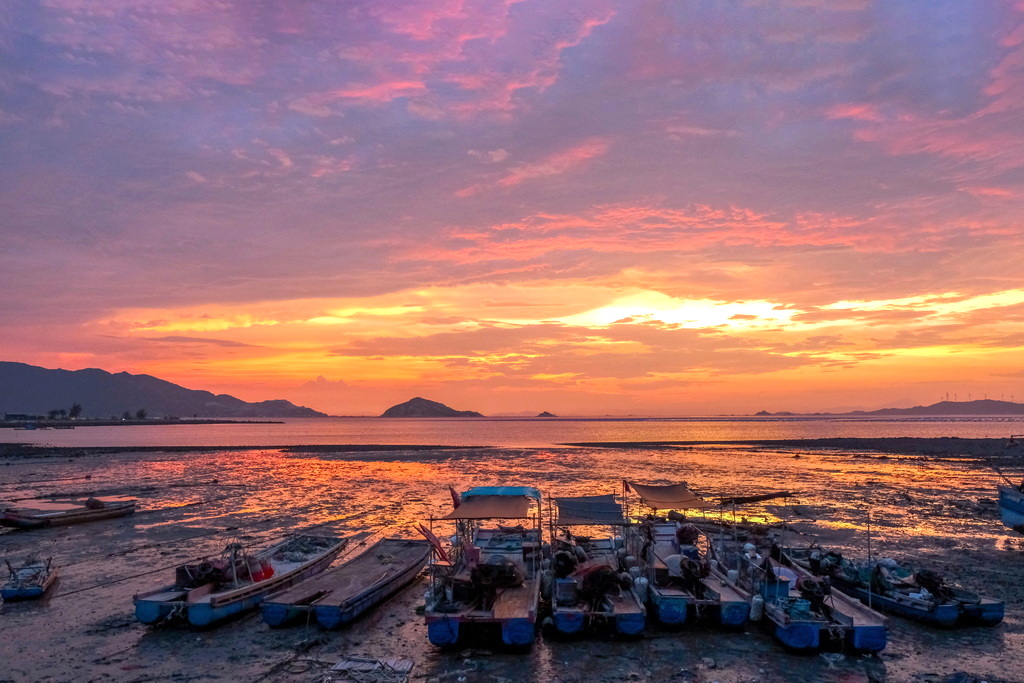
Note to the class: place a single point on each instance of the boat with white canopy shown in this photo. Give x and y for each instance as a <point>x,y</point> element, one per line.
<point>490,576</point>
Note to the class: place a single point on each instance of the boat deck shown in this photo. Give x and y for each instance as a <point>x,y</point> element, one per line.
<point>336,586</point>
<point>723,590</point>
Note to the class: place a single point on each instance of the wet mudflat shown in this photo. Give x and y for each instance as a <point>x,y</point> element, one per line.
<point>934,507</point>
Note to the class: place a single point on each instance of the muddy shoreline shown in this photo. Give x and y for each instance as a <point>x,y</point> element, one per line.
<point>941,446</point>
<point>931,501</point>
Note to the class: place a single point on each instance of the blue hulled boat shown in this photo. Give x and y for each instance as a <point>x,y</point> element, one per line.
<point>209,592</point>
<point>674,555</point>
<point>490,576</point>
<point>593,580</point>
<point>340,595</point>
<point>1011,507</point>
<point>29,580</point>
<point>886,586</point>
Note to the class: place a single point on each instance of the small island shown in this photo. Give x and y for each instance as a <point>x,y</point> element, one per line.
<point>546,414</point>
<point>421,407</point>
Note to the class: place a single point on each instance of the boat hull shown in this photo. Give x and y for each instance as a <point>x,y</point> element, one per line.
<point>733,614</point>
<point>1011,508</point>
<point>443,631</point>
<point>669,610</point>
<point>336,616</point>
<point>801,637</point>
<point>29,519</point>
<point>943,615</point>
<point>205,609</point>
<point>568,622</point>
<point>13,594</point>
<point>151,612</point>
<point>32,584</point>
<point>986,613</point>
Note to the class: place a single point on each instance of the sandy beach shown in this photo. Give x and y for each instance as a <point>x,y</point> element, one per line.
<point>85,630</point>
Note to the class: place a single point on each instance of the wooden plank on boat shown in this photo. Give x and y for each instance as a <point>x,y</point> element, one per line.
<point>385,559</point>
<point>625,604</point>
<point>725,592</point>
<point>517,602</point>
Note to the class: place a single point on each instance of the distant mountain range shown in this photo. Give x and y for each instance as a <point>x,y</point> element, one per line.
<point>421,407</point>
<point>29,389</point>
<point>977,408</point>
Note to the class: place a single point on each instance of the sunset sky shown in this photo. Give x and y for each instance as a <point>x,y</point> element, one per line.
<point>632,207</point>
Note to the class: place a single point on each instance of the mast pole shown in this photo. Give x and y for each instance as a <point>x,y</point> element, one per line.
<point>871,579</point>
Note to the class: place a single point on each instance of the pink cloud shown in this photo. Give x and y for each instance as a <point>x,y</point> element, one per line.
<point>557,163</point>
<point>381,92</point>
<point>554,164</point>
<point>858,112</point>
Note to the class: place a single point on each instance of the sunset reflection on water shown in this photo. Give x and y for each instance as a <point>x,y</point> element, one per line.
<point>265,493</point>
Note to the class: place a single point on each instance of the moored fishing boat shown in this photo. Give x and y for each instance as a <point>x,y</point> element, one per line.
<point>887,586</point>
<point>674,555</point>
<point>491,574</point>
<point>30,579</point>
<point>801,609</point>
<point>342,593</point>
<point>863,629</point>
<point>212,591</point>
<point>771,594</point>
<point>56,514</point>
<point>592,578</point>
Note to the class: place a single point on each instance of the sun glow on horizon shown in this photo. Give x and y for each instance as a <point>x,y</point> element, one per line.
<point>656,307</point>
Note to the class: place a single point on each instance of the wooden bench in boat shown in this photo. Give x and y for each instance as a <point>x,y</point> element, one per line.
<point>724,591</point>
<point>624,604</point>
<point>516,602</point>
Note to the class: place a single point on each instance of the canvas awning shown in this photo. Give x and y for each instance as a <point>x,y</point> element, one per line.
<point>527,491</point>
<point>671,497</point>
<point>740,500</point>
<point>491,507</point>
<point>589,510</point>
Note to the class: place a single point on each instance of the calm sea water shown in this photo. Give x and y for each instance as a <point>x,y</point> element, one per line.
<point>511,432</point>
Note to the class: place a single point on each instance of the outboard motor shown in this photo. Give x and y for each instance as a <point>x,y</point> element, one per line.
<point>597,582</point>
<point>687,534</point>
<point>565,563</point>
<point>499,572</point>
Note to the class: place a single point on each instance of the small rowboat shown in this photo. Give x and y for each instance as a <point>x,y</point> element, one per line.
<point>31,580</point>
<point>341,594</point>
<point>212,591</point>
<point>93,509</point>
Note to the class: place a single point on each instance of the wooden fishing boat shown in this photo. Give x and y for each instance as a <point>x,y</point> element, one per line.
<point>674,554</point>
<point>491,575</point>
<point>212,591</point>
<point>29,580</point>
<point>592,583</point>
<point>341,594</point>
<point>51,514</point>
<point>922,596</point>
